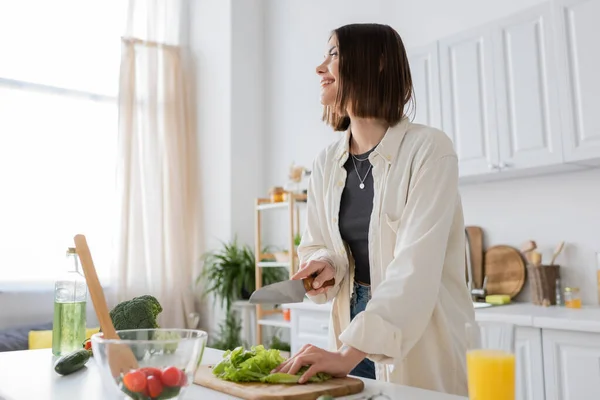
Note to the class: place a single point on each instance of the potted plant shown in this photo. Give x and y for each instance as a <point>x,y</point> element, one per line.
<point>229,273</point>
<point>229,334</point>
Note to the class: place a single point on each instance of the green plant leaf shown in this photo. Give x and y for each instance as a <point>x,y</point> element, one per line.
<point>229,334</point>
<point>230,269</point>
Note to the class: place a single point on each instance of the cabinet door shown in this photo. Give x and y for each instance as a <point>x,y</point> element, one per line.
<point>309,327</point>
<point>529,132</point>
<point>579,84</point>
<point>468,106</point>
<point>530,366</point>
<point>571,365</point>
<point>424,69</point>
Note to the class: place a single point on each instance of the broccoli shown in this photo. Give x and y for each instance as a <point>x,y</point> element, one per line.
<point>137,313</point>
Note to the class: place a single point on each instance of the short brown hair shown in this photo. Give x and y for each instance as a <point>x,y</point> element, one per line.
<point>374,75</point>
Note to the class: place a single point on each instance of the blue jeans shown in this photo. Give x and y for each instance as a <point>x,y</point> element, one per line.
<point>358,303</point>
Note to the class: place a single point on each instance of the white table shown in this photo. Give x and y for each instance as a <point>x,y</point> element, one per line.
<point>27,375</point>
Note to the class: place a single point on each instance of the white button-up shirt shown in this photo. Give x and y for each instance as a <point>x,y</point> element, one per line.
<point>413,327</point>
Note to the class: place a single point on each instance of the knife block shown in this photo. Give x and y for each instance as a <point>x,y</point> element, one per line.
<point>542,281</point>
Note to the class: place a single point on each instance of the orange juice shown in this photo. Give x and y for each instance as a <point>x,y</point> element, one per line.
<point>491,375</point>
<point>575,303</point>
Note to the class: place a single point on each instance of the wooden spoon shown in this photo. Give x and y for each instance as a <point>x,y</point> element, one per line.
<point>120,357</point>
<point>557,251</point>
<point>536,258</point>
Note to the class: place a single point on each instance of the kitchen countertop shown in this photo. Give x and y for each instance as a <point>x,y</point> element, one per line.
<point>29,374</point>
<point>586,319</point>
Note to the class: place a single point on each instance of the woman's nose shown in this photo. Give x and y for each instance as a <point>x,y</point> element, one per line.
<point>321,68</point>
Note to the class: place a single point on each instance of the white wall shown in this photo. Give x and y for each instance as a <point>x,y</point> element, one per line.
<point>247,123</point>
<point>226,40</point>
<point>210,44</point>
<point>547,209</point>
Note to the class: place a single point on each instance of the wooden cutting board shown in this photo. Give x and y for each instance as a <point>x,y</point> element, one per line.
<point>475,235</point>
<point>505,270</point>
<point>264,391</point>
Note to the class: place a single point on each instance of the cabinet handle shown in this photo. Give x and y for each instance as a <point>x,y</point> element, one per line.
<point>505,165</point>
<point>493,166</point>
<point>325,327</point>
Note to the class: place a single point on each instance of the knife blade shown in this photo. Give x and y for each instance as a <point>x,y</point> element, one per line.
<point>290,291</point>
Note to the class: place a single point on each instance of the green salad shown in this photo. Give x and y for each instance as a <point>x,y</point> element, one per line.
<point>255,365</point>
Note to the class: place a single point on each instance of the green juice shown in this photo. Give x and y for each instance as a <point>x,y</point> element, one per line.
<point>68,330</point>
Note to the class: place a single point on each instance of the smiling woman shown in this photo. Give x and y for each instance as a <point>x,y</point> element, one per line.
<point>368,89</point>
<point>385,221</point>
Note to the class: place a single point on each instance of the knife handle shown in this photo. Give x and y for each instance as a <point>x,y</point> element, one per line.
<point>308,281</point>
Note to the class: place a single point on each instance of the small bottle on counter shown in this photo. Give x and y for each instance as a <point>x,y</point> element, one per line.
<point>559,297</point>
<point>277,194</point>
<point>572,297</point>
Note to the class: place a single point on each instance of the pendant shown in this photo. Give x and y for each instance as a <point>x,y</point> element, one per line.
<point>362,186</point>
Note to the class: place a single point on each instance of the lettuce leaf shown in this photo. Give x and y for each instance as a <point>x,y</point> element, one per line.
<point>255,365</point>
<point>287,378</point>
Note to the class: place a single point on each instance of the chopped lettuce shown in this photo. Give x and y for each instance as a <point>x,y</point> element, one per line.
<point>255,365</point>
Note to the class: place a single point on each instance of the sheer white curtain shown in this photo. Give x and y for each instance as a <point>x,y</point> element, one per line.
<point>156,173</point>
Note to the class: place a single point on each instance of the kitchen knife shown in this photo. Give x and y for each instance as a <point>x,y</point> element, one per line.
<point>290,291</point>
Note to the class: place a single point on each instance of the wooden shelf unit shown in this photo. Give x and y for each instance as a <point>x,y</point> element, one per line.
<point>292,205</point>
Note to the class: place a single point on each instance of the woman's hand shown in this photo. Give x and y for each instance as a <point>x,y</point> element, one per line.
<point>337,364</point>
<point>324,272</point>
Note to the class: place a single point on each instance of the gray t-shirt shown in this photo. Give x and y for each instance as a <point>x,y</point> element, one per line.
<point>355,213</point>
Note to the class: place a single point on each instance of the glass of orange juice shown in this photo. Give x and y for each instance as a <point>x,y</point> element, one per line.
<point>491,360</point>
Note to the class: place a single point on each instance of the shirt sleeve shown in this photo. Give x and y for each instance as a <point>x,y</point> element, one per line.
<point>399,311</point>
<point>313,245</point>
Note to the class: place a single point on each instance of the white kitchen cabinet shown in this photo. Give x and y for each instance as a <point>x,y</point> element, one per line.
<point>519,95</point>
<point>424,69</point>
<point>530,367</point>
<point>529,132</point>
<point>571,365</point>
<point>468,100</point>
<point>310,325</point>
<point>577,37</point>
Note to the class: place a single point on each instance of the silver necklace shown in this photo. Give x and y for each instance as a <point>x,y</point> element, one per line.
<point>362,180</point>
<point>359,159</point>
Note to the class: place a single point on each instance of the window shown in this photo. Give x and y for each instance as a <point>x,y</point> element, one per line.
<point>59,76</point>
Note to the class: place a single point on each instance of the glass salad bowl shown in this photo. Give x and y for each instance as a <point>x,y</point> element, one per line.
<point>167,360</point>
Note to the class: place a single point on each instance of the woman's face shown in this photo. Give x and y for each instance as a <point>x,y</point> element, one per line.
<point>328,72</point>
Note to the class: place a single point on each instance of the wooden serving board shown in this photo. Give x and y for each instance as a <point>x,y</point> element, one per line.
<point>475,235</point>
<point>265,391</point>
<point>505,270</point>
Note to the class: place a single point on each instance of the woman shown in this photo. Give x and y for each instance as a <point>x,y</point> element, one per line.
<point>385,221</point>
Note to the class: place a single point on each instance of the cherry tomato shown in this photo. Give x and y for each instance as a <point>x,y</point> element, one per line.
<point>151,371</point>
<point>171,376</point>
<point>135,381</point>
<point>88,345</point>
<point>155,386</point>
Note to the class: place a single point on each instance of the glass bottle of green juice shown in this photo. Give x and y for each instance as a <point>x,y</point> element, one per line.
<point>70,294</point>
